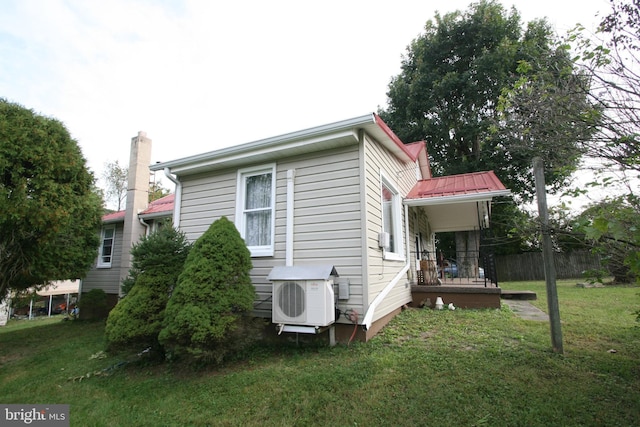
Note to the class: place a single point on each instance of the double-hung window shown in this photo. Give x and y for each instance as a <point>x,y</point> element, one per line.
<point>392,220</point>
<point>255,209</point>
<point>107,241</point>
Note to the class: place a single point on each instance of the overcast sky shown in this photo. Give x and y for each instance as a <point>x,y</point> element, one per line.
<point>200,75</point>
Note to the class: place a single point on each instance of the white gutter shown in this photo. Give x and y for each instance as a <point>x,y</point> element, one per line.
<point>177,198</point>
<point>291,175</point>
<point>268,145</point>
<point>461,198</point>
<point>368,317</point>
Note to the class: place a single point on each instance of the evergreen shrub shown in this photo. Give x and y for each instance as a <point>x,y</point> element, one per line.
<point>207,316</point>
<point>93,305</point>
<point>136,320</point>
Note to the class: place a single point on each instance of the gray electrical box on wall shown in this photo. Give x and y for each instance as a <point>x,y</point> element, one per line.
<point>384,240</point>
<point>343,288</point>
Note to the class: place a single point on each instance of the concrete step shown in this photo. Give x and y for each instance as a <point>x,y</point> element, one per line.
<point>526,310</point>
<point>518,295</point>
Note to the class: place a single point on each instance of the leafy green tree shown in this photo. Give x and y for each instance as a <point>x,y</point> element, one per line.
<point>157,191</point>
<point>513,230</point>
<point>612,225</point>
<point>116,178</point>
<point>93,305</point>
<point>157,262</point>
<point>49,210</point>
<point>213,296</point>
<point>611,60</point>
<point>451,94</point>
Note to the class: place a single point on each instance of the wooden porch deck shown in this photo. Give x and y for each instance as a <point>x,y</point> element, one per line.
<point>463,293</point>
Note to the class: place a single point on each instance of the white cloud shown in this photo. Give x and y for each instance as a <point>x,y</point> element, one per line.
<point>199,75</point>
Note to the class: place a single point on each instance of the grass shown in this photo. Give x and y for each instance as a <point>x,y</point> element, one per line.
<point>462,368</point>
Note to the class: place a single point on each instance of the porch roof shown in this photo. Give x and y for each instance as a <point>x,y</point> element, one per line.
<point>457,202</point>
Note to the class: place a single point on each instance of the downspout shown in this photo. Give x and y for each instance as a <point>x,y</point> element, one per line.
<point>145,225</point>
<point>291,174</point>
<point>177,197</point>
<point>368,317</point>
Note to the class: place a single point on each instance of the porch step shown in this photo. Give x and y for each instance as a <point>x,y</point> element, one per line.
<point>518,295</point>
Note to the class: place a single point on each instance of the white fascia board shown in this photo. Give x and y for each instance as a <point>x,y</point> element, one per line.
<point>463,198</point>
<point>243,157</point>
<point>156,215</point>
<point>264,146</point>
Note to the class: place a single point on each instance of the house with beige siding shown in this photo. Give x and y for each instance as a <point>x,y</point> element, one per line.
<point>336,218</point>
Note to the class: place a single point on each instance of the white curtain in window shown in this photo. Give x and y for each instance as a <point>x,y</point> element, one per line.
<point>387,216</point>
<point>258,210</point>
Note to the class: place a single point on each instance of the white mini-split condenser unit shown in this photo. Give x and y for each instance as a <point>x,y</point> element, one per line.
<point>303,295</point>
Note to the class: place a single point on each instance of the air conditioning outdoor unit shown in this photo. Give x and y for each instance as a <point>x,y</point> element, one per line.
<point>303,295</point>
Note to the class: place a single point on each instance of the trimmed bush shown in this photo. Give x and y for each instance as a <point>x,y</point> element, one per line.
<point>93,305</point>
<point>157,262</point>
<point>205,316</point>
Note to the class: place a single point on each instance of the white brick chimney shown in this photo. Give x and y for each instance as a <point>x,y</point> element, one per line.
<point>137,197</point>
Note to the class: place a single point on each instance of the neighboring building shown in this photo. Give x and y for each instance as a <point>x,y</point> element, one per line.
<point>120,230</point>
<point>345,204</point>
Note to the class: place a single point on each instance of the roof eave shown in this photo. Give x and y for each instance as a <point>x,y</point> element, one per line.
<point>396,146</point>
<point>263,146</point>
<point>113,220</point>
<point>156,215</point>
<point>461,198</point>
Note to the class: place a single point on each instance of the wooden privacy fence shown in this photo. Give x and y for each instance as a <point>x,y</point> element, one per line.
<point>529,266</point>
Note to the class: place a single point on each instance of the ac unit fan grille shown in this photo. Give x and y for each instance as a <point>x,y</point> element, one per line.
<point>291,299</point>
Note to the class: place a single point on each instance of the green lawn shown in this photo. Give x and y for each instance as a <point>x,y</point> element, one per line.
<point>449,368</point>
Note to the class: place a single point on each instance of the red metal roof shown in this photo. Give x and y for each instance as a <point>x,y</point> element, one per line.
<point>415,148</point>
<point>456,185</point>
<point>163,204</point>
<point>113,217</point>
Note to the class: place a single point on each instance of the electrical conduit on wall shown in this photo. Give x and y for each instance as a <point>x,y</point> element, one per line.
<point>291,175</point>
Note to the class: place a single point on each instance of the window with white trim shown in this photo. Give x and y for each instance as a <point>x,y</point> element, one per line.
<point>392,220</point>
<point>107,241</point>
<point>255,209</point>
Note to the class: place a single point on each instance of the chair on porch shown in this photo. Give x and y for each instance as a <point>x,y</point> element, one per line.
<point>427,274</point>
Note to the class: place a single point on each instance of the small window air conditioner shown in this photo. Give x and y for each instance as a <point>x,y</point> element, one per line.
<point>303,295</point>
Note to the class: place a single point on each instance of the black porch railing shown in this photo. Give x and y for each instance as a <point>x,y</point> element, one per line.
<point>474,267</point>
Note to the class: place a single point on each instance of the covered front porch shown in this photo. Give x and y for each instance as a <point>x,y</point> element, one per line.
<point>458,203</point>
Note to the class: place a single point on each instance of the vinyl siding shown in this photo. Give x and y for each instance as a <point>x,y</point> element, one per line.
<point>206,198</point>
<point>327,220</point>
<point>381,271</point>
<point>107,279</point>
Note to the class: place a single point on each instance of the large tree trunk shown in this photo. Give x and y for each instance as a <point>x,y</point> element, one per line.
<point>467,252</point>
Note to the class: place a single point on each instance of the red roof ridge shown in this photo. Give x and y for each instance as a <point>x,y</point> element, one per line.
<point>394,137</point>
